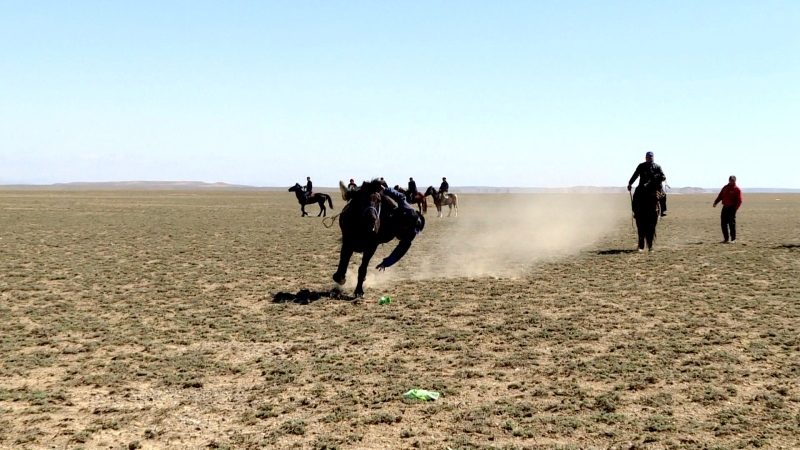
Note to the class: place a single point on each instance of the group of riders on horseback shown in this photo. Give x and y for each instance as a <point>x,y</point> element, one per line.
<point>376,214</point>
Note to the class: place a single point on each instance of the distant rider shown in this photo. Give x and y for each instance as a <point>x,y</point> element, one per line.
<point>412,189</point>
<point>444,188</point>
<point>309,186</point>
<point>352,186</point>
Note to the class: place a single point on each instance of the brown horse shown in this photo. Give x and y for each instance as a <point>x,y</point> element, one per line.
<point>451,200</point>
<point>420,200</point>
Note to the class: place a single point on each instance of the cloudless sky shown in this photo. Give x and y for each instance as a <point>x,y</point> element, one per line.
<point>493,93</point>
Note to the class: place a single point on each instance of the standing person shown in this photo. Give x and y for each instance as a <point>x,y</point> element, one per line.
<point>309,186</point>
<point>731,198</point>
<point>412,189</point>
<point>444,188</point>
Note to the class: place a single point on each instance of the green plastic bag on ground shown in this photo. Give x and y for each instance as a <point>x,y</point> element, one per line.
<point>421,394</point>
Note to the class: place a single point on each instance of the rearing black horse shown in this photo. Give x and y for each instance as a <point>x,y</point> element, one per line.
<point>317,198</point>
<point>646,210</point>
<point>370,219</point>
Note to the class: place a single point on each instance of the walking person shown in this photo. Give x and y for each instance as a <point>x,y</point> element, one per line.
<point>731,198</point>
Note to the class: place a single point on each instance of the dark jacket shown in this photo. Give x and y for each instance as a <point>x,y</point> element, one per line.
<point>409,224</point>
<point>412,186</point>
<point>308,187</point>
<point>444,186</point>
<point>648,173</point>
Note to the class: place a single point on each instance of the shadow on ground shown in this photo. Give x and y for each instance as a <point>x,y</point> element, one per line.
<point>615,251</point>
<point>305,296</point>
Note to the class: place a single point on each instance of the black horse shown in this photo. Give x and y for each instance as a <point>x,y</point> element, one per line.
<point>370,219</point>
<point>317,198</point>
<point>646,210</point>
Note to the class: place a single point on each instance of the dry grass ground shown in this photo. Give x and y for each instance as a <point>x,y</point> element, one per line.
<point>149,320</point>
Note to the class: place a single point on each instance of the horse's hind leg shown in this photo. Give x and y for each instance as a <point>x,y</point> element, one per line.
<point>322,211</point>
<point>640,231</point>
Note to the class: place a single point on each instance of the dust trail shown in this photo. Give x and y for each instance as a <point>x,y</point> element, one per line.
<point>504,235</point>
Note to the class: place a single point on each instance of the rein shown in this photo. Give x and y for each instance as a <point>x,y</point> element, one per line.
<point>333,218</point>
<point>633,214</point>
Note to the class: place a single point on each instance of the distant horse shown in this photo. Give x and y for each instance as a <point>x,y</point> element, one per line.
<point>646,210</point>
<point>451,200</point>
<point>367,221</point>
<point>419,199</point>
<point>317,198</point>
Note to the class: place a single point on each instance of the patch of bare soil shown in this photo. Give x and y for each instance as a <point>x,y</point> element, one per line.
<point>201,320</point>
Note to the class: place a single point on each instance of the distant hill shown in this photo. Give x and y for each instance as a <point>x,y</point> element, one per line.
<point>141,185</point>
<point>200,185</point>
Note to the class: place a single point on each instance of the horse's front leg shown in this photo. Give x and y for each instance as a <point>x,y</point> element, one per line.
<point>303,210</point>
<point>344,260</point>
<point>362,270</point>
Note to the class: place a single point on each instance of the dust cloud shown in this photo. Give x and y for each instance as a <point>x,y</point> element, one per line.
<point>505,235</point>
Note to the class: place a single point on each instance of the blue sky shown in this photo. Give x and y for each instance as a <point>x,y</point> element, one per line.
<point>538,94</point>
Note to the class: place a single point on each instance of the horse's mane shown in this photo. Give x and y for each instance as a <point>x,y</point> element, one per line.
<point>370,187</point>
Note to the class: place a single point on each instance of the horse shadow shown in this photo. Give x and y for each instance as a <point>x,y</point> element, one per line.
<point>306,297</point>
<point>788,246</point>
<point>615,251</point>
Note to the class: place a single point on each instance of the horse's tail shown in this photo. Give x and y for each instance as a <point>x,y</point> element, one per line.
<point>330,203</point>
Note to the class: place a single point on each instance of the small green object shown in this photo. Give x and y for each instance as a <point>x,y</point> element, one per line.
<point>421,394</point>
<point>385,300</point>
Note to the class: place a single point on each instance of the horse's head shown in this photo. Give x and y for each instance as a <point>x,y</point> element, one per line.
<point>371,187</point>
<point>430,191</point>
<point>296,188</point>
<point>373,212</point>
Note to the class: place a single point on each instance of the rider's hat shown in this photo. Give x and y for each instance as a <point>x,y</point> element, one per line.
<point>649,153</point>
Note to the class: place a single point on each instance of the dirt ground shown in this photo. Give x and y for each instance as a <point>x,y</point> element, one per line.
<point>198,320</point>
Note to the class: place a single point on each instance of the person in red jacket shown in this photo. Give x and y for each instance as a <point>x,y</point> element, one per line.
<point>731,198</point>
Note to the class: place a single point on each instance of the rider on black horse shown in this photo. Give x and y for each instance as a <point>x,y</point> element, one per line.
<point>650,177</point>
<point>309,185</point>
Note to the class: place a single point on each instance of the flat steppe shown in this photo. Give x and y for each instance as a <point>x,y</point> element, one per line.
<point>164,319</point>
